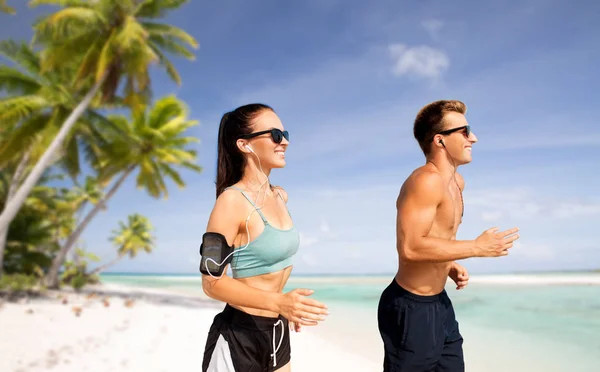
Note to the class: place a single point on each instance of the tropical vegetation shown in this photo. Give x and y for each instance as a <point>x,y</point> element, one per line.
<point>77,119</point>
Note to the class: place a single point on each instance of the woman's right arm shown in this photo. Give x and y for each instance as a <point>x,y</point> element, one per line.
<point>226,220</point>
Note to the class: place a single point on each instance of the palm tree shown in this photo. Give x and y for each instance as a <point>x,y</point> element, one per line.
<point>5,8</point>
<point>111,40</point>
<point>36,105</point>
<point>34,234</point>
<point>153,143</point>
<point>130,239</point>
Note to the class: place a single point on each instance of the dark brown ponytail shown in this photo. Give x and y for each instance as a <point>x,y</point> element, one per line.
<point>230,161</point>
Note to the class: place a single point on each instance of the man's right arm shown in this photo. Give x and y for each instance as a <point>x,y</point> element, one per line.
<point>417,210</point>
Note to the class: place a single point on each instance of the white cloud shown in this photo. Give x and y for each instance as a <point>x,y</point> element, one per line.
<point>325,227</point>
<point>526,203</point>
<point>576,209</point>
<point>421,61</point>
<point>533,251</point>
<point>433,26</point>
<point>307,240</point>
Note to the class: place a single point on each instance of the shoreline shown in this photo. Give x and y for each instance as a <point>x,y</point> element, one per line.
<point>162,329</point>
<point>590,278</point>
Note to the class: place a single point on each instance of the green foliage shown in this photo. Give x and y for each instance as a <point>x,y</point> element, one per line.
<point>154,143</point>
<point>19,283</point>
<point>37,104</point>
<point>76,273</point>
<point>13,286</point>
<point>81,44</point>
<point>5,8</point>
<point>134,236</point>
<point>114,41</point>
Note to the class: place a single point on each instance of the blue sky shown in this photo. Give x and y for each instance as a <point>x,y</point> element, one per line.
<point>347,78</point>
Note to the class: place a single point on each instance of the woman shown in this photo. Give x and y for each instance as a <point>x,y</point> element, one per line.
<point>251,229</point>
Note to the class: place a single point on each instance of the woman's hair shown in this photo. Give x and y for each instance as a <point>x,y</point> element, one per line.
<point>230,161</point>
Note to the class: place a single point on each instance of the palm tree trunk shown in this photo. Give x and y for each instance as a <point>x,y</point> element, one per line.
<point>52,277</point>
<point>13,206</point>
<point>12,188</point>
<point>106,266</point>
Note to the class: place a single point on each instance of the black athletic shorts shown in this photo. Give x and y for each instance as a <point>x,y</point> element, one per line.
<point>240,342</point>
<point>420,333</point>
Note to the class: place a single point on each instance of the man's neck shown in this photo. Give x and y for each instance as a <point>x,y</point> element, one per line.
<point>443,164</point>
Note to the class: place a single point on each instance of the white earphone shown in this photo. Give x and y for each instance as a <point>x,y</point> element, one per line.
<point>255,209</point>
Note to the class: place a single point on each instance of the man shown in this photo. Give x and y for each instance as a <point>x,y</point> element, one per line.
<point>416,318</point>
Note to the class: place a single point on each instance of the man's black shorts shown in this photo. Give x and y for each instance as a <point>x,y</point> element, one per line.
<point>240,342</point>
<point>420,333</point>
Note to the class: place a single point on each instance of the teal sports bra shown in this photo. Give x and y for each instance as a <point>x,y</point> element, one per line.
<point>271,251</point>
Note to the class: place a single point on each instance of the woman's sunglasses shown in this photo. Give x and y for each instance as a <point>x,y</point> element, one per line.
<point>467,131</point>
<point>276,134</point>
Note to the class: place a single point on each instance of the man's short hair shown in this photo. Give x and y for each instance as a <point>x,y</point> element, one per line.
<point>430,121</point>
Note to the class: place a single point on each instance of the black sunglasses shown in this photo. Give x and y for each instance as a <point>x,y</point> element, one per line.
<point>276,134</point>
<point>467,129</point>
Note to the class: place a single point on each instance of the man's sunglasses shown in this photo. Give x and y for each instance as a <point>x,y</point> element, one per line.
<point>276,134</point>
<point>467,132</point>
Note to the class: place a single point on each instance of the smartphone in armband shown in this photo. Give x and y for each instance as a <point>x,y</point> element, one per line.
<point>215,254</point>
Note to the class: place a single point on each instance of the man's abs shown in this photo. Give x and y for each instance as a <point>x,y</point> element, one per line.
<point>423,278</point>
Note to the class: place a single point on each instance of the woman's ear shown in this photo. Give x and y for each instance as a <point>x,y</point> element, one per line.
<point>241,144</point>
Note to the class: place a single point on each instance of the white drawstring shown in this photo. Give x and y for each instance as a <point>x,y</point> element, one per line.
<point>274,355</point>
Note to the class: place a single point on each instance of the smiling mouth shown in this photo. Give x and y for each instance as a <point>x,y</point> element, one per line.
<point>280,153</point>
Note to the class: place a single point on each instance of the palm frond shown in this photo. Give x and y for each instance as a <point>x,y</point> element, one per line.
<point>21,55</point>
<point>172,174</point>
<point>157,8</point>
<point>18,108</point>
<point>22,137</point>
<point>62,3</point>
<point>164,109</point>
<point>175,34</point>
<point>5,8</point>
<point>191,166</point>
<point>168,65</point>
<point>14,81</point>
<point>69,23</point>
<point>171,45</point>
<point>106,57</point>
<point>70,160</point>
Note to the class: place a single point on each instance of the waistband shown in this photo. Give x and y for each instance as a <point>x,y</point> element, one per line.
<point>239,318</point>
<point>400,291</point>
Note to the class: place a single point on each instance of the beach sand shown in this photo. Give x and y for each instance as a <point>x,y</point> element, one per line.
<point>157,331</point>
<point>165,330</point>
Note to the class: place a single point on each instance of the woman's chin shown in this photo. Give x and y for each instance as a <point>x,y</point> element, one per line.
<point>278,163</point>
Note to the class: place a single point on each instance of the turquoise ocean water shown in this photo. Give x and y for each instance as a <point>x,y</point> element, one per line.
<point>532,326</point>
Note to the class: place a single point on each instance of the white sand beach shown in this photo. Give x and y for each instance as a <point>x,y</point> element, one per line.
<point>158,331</point>
<point>148,329</point>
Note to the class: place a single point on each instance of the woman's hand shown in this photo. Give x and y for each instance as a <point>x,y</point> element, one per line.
<point>297,308</point>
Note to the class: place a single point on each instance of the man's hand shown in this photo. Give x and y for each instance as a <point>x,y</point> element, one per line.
<point>459,275</point>
<point>492,243</point>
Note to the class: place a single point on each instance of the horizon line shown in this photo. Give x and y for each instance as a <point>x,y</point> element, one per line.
<point>130,273</point>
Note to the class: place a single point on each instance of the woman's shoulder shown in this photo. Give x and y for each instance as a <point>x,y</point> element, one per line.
<point>281,192</point>
<point>228,203</point>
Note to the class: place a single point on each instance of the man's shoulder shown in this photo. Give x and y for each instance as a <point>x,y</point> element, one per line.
<point>422,184</point>
<point>424,178</point>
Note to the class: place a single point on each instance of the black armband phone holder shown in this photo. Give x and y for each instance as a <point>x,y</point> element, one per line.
<point>215,254</point>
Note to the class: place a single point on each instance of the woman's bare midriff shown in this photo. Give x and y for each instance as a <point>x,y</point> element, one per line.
<point>272,282</point>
